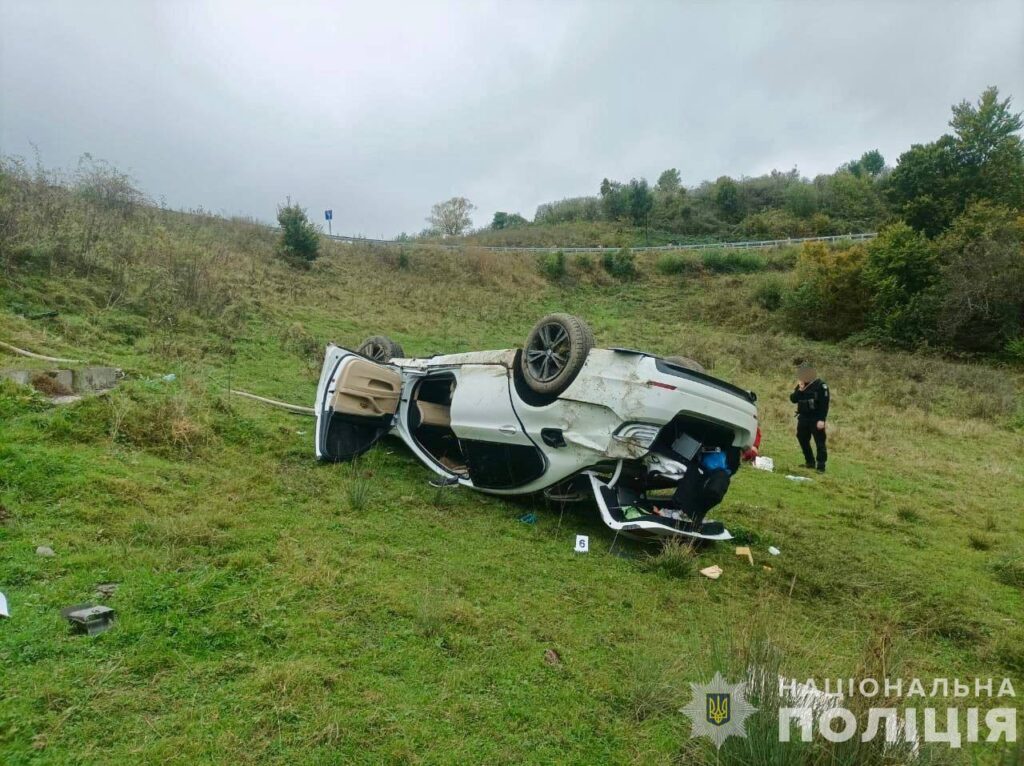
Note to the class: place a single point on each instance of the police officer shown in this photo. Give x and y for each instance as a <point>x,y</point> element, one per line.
<point>811,399</point>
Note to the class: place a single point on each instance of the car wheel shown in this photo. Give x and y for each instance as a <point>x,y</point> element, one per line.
<point>686,363</point>
<point>380,349</point>
<point>556,350</point>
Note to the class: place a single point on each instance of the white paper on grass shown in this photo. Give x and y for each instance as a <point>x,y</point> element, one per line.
<point>582,544</point>
<point>3,606</point>
<point>764,463</point>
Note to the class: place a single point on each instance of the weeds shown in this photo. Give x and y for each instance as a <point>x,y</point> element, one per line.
<point>675,558</point>
<point>1010,570</point>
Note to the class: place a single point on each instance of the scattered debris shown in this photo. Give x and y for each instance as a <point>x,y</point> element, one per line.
<point>169,377</point>
<point>773,550</point>
<point>45,550</point>
<point>582,544</point>
<point>89,618</point>
<point>791,477</point>
<point>766,568</point>
<point>631,513</point>
<point>744,550</point>
<point>106,589</point>
<point>551,657</point>
<point>528,518</point>
<point>3,606</point>
<point>764,463</point>
<point>712,572</point>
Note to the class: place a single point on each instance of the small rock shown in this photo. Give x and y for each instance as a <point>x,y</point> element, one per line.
<point>45,550</point>
<point>106,589</point>
<point>551,657</point>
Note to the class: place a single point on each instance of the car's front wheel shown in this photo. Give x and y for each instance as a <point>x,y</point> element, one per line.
<point>556,350</point>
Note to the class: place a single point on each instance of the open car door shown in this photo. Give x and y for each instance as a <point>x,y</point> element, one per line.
<point>356,402</point>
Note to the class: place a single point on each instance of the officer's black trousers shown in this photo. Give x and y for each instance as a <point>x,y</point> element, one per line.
<point>805,431</point>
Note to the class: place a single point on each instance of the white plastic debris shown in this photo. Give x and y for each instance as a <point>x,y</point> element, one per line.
<point>169,378</point>
<point>791,477</point>
<point>3,606</point>
<point>773,550</point>
<point>764,463</point>
<point>45,550</point>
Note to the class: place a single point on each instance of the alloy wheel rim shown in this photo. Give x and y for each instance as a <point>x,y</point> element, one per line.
<point>548,352</point>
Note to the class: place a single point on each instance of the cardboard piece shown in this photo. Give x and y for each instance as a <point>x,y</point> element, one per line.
<point>744,550</point>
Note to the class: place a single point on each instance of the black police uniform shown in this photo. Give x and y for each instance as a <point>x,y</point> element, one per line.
<point>811,406</point>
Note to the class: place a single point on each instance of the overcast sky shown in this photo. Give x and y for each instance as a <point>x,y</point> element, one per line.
<point>379,109</point>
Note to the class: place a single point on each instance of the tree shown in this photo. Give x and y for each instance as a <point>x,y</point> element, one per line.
<point>983,160</point>
<point>300,239</point>
<point>669,182</point>
<point>614,202</point>
<point>982,285</point>
<point>801,200</point>
<point>922,188</point>
<point>988,150</point>
<point>507,220</point>
<point>727,199</point>
<point>640,201</point>
<point>872,162</point>
<point>452,217</point>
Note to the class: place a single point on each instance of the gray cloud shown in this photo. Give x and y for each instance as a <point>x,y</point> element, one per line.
<point>378,110</point>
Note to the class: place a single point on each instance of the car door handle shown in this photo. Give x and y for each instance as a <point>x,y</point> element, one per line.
<point>508,429</point>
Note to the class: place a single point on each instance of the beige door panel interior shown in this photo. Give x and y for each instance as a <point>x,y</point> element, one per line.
<point>367,389</point>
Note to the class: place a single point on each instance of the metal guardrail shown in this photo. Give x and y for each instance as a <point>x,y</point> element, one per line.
<point>750,245</point>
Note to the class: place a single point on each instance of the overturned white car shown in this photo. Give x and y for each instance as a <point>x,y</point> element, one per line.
<point>558,416</point>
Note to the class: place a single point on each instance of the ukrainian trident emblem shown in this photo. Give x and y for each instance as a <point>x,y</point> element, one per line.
<point>718,710</point>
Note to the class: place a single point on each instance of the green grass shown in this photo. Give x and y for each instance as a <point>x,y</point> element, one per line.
<point>273,610</point>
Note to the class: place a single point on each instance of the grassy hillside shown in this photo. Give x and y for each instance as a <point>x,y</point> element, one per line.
<point>274,610</point>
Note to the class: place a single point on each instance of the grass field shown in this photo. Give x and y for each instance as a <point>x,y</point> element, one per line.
<point>273,610</point>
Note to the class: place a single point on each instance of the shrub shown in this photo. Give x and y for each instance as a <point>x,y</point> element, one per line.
<point>769,291</point>
<point>1015,349</point>
<point>732,261</point>
<point>830,300</point>
<point>552,265</point>
<point>900,273</point>
<point>982,281</point>
<point>678,263</point>
<point>300,239</point>
<point>620,264</point>
<point>583,262</point>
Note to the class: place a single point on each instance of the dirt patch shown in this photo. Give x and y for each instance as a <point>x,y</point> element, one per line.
<point>50,385</point>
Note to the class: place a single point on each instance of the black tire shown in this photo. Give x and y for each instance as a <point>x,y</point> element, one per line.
<point>380,348</point>
<point>555,351</point>
<point>686,363</point>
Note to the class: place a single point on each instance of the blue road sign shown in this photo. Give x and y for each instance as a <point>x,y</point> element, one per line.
<point>328,214</point>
